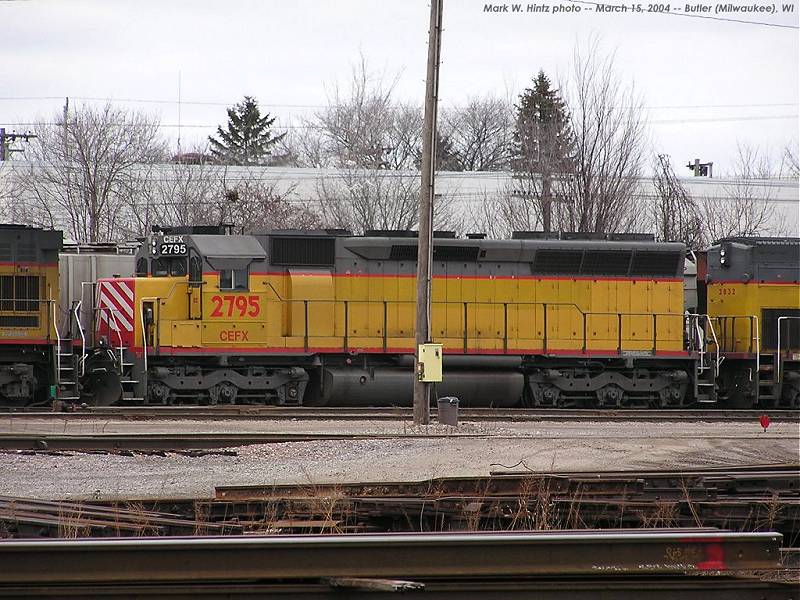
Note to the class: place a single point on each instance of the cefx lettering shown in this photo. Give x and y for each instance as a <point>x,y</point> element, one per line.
<point>172,239</point>
<point>233,335</point>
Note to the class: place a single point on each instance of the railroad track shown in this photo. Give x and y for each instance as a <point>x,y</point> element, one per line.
<point>744,498</point>
<point>386,414</point>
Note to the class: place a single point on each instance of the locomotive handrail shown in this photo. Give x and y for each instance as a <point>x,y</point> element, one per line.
<point>155,300</point>
<point>82,361</point>
<point>699,334</point>
<point>716,345</point>
<point>779,365</point>
<point>753,329</point>
<point>58,341</point>
<point>55,324</point>
<point>758,345</point>
<point>505,335</point>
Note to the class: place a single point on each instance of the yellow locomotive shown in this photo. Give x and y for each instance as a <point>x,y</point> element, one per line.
<point>28,296</point>
<point>324,317</point>
<point>753,300</point>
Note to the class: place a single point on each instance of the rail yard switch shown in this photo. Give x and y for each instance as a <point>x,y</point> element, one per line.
<point>430,362</point>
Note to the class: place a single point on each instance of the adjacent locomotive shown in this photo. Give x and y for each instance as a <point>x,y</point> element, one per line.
<point>28,298</point>
<point>753,298</point>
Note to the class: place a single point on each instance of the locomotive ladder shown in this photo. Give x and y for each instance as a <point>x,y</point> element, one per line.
<point>770,369</point>
<point>66,365</point>
<point>707,365</point>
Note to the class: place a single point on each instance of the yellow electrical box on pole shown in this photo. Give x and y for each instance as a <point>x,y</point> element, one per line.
<point>430,363</point>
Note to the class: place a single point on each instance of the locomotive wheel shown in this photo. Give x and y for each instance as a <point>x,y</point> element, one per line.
<point>610,396</point>
<point>223,393</point>
<point>103,388</point>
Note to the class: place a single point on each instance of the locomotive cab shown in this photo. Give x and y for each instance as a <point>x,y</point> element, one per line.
<point>193,324</point>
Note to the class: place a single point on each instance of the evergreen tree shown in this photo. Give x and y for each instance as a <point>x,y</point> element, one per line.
<point>543,143</point>
<point>248,138</point>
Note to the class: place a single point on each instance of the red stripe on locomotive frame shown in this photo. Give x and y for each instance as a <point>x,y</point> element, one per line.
<point>613,353</point>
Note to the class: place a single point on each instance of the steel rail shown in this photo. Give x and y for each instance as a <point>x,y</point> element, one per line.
<point>520,588</point>
<point>514,483</point>
<point>381,414</point>
<point>196,441</point>
<point>476,555</point>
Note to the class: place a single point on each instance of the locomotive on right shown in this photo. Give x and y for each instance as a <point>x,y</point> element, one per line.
<point>750,290</point>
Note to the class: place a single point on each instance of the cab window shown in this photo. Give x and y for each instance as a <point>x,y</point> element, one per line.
<point>177,267</point>
<point>166,267</point>
<point>233,279</point>
<point>161,267</point>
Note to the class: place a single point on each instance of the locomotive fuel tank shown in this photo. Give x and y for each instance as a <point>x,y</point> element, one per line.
<point>390,386</point>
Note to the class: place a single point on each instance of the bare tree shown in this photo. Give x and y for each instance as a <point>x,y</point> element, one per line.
<point>360,200</point>
<point>84,169</point>
<point>608,124</point>
<point>207,194</point>
<point>790,166</point>
<point>361,127</point>
<point>375,144</point>
<point>479,134</point>
<point>6,194</point>
<point>676,216</point>
<point>499,215</point>
<point>746,206</point>
<point>253,204</point>
<point>178,194</point>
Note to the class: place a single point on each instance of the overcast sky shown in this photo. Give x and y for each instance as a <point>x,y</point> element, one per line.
<point>689,70</point>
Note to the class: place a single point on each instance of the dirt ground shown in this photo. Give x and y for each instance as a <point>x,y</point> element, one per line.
<point>470,449</point>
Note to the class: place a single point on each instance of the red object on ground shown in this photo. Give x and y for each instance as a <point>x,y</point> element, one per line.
<point>764,420</point>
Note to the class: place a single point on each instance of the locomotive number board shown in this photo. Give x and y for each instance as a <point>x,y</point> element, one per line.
<point>172,245</point>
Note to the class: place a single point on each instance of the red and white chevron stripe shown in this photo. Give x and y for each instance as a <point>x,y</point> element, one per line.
<point>115,301</point>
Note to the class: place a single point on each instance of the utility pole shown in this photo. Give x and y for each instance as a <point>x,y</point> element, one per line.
<point>701,169</point>
<point>6,139</point>
<point>422,390</point>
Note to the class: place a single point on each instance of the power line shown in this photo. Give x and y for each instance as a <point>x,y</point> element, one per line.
<point>724,119</point>
<point>694,16</point>
<point>323,127</point>
<point>395,107</point>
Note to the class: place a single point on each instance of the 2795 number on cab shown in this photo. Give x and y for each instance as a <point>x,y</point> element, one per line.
<point>232,305</point>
